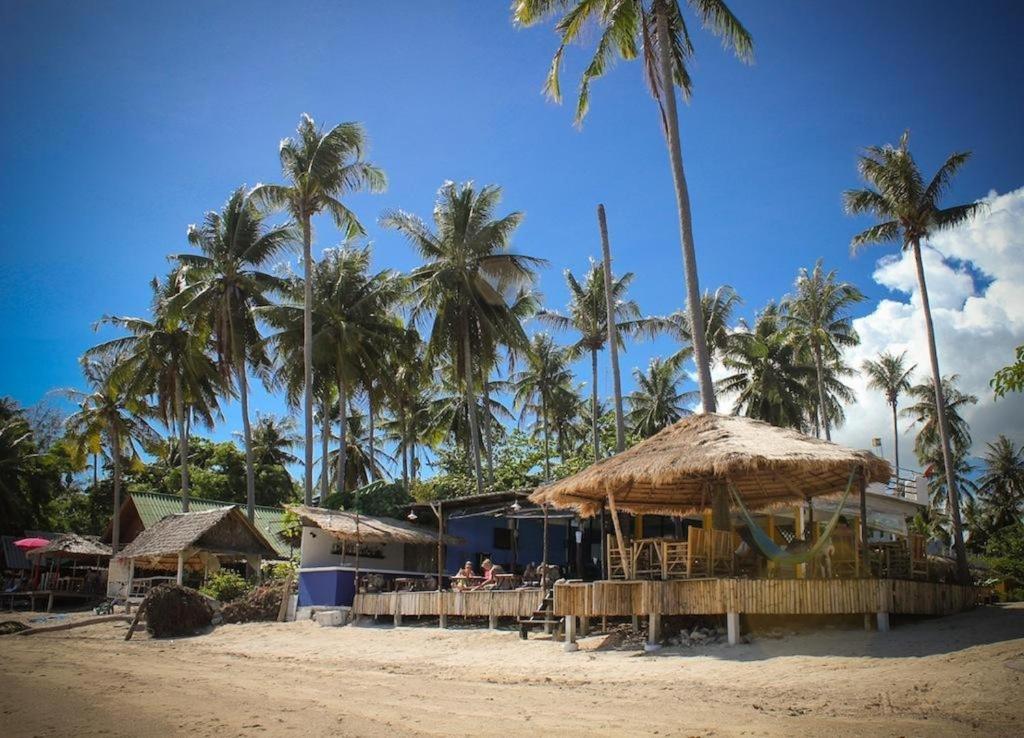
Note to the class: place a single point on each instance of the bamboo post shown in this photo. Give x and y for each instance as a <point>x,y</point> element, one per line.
<point>862,481</point>
<point>618,536</point>
<point>286,592</point>
<point>181,567</point>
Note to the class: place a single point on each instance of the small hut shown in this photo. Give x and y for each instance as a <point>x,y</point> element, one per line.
<point>194,540</point>
<point>72,546</point>
<point>685,468</point>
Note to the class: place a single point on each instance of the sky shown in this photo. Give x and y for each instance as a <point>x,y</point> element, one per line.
<point>122,123</point>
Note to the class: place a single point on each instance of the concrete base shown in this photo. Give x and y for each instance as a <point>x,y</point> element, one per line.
<point>732,622</point>
<point>883,622</point>
<point>329,618</point>
<point>442,621</point>
<point>570,647</point>
<point>398,619</point>
<point>584,626</point>
<point>652,647</point>
<point>492,622</point>
<point>653,629</point>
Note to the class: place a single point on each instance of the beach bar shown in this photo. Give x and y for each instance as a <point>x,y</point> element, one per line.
<point>740,497</point>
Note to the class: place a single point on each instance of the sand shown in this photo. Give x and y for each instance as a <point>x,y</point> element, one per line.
<point>962,675</point>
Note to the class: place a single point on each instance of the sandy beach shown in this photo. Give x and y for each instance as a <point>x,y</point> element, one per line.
<point>961,675</point>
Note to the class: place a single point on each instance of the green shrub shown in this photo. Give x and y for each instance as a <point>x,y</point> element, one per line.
<point>225,586</point>
<point>279,571</point>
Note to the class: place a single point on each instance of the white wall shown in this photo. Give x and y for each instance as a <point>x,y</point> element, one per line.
<point>316,551</point>
<point>117,577</point>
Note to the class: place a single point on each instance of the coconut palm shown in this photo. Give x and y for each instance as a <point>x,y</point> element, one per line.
<point>817,319</point>
<point>909,212</point>
<point>544,374</point>
<point>273,439</point>
<point>657,401</point>
<point>468,283</point>
<point>1001,485</point>
<point>656,29</point>
<point>770,378</point>
<point>321,167</point>
<point>587,315</point>
<point>168,359</point>
<point>108,414</point>
<point>717,308</point>
<point>359,468</point>
<point>890,375</point>
<point>224,283</point>
<point>928,445</point>
<point>837,393</point>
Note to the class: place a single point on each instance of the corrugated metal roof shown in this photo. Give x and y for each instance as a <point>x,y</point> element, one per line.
<point>14,557</point>
<point>153,506</point>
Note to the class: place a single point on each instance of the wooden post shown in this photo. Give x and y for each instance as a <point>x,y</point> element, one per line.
<point>439,511</point>
<point>732,621</point>
<point>584,626</point>
<point>798,525</point>
<point>181,566</point>
<point>570,634</point>
<point>398,616</point>
<point>618,536</point>
<point>131,581</point>
<point>492,622</point>
<point>866,565</point>
<point>442,612</point>
<point>286,593</point>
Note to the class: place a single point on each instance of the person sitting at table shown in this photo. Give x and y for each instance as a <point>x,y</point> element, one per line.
<point>530,575</point>
<point>464,576</point>
<point>489,573</point>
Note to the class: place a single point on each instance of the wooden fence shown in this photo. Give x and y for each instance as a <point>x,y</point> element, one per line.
<point>761,596</point>
<point>504,603</point>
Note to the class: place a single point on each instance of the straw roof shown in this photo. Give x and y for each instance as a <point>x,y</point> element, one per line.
<point>71,546</point>
<point>674,471</point>
<point>342,525</point>
<point>224,530</point>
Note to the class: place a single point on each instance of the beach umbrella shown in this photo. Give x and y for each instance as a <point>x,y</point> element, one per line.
<point>28,544</point>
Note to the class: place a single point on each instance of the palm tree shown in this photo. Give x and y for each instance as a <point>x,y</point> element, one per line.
<point>359,469</point>
<point>468,282</point>
<point>657,401</point>
<point>770,378</point>
<point>1001,484</point>
<point>717,308</point>
<point>109,414</point>
<point>817,320</point>
<point>890,375</point>
<point>658,30</point>
<point>928,445</point>
<point>224,283</point>
<point>273,439</point>
<point>536,385</point>
<point>588,316</point>
<point>909,212</point>
<point>320,167</point>
<point>167,358</point>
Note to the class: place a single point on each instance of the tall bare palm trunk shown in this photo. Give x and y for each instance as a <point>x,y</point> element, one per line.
<point>474,437</point>
<point>369,412</point>
<point>593,404</point>
<point>700,348</point>
<point>895,443</point>
<point>325,451</point>
<point>250,474</point>
<point>488,440</point>
<point>342,432</point>
<point>953,495</point>
<point>620,423</point>
<point>179,419</point>
<point>307,357</point>
<point>115,454</point>
<point>547,448</point>
<point>822,407</point>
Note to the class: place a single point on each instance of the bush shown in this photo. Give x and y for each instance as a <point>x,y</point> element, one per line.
<point>279,571</point>
<point>262,603</point>
<point>172,610</point>
<point>225,586</point>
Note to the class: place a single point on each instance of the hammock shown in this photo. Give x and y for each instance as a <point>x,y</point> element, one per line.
<point>775,552</point>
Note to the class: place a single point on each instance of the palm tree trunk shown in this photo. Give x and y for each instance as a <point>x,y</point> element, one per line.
<point>250,472</point>
<point>895,444</point>
<point>474,438</point>
<point>613,343</point>
<point>822,407</point>
<point>96,473</point>
<point>307,357</point>
<point>342,432</point>
<point>115,454</point>
<point>544,426</point>
<point>179,417</point>
<point>675,153</point>
<point>488,440</point>
<point>963,574</point>
<point>593,403</point>
<point>369,411</point>
<point>325,450</point>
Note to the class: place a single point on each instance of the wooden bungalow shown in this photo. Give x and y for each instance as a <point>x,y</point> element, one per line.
<point>722,477</point>
<point>197,542</point>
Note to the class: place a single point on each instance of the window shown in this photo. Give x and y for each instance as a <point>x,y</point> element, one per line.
<point>503,539</point>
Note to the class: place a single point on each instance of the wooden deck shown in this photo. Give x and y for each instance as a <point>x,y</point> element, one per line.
<point>718,596</point>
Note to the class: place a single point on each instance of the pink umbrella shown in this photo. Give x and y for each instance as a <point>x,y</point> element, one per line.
<point>27,544</point>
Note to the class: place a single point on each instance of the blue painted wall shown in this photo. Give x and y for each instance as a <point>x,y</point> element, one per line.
<point>326,588</point>
<point>477,535</point>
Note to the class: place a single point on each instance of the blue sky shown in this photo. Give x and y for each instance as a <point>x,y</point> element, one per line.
<point>124,122</point>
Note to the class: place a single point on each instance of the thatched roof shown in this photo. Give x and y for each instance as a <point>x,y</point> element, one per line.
<point>674,471</point>
<point>71,546</point>
<point>224,530</point>
<point>342,525</point>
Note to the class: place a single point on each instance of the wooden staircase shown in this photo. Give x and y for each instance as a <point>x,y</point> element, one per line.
<point>543,616</point>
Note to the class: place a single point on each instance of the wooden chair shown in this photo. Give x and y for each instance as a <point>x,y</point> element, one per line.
<point>698,546</point>
<point>721,550</point>
<point>647,558</point>
<point>844,561</point>
<point>918,546</point>
<point>674,555</point>
<point>616,568</point>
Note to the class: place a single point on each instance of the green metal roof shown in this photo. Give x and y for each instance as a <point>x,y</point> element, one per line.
<point>153,506</point>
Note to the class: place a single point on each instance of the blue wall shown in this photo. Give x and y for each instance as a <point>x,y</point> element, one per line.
<point>477,535</point>
<point>326,588</point>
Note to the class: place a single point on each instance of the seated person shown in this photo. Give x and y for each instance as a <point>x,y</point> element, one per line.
<point>489,572</point>
<point>530,575</point>
<point>464,575</point>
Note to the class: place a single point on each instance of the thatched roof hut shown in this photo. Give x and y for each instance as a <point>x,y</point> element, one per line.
<point>341,524</point>
<point>223,531</point>
<point>675,471</point>
<point>72,546</point>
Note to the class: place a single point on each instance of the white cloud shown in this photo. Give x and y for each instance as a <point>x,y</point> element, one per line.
<point>977,326</point>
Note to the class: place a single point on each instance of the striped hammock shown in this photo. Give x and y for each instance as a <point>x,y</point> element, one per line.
<point>771,549</point>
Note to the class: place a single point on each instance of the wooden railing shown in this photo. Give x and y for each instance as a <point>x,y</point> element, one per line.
<point>501,603</point>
